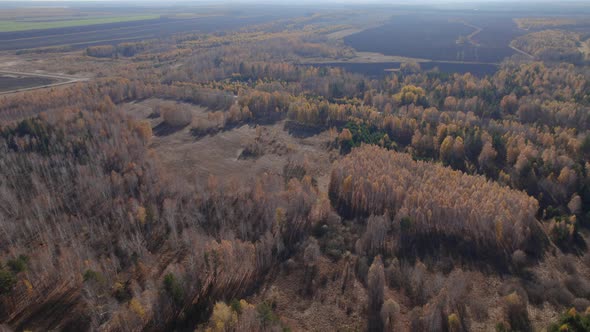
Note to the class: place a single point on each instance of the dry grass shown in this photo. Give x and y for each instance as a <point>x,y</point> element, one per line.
<point>218,154</point>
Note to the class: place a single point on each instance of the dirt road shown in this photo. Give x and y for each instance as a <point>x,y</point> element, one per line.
<point>522,52</point>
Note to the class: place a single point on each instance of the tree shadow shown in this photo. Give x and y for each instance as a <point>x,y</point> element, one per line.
<point>302,131</point>
<point>164,129</point>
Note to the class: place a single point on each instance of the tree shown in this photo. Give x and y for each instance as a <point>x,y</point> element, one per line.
<point>144,131</point>
<point>486,158</point>
<point>572,321</point>
<point>223,317</point>
<point>575,204</point>
<point>7,281</point>
<point>175,115</point>
<point>174,288</point>
<point>450,103</point>
<point>411,94</point>
<point>376,287</point>
<point>516,313</point>
<point>310,257</point>
<point>373,240</point>
<point>446,150</point>
<point>438,201</point>
<point>408,68</point>
<point>509,104</point>
<point>266,315</point>
<point>529,112</point>
<point>389,313</point>
<point>454,323</point>
<point>345,140</point>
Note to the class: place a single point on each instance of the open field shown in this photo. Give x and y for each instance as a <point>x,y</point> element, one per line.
<point>103,26</point>
<point>436,38</point>
<point>13,25</point>
<point>469,38</point>
<point>113,33</point>
<point>11,82</point>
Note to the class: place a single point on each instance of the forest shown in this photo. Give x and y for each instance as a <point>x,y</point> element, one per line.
<point>248,180</point>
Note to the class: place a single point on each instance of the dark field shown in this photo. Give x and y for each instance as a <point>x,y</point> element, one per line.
<point>114,33</point>
<point>438,38</point>
<point>379,70</point>
<point>10,82</point>
<point>496,33</point>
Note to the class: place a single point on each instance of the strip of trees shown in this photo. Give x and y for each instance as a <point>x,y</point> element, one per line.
<point>431,204</point>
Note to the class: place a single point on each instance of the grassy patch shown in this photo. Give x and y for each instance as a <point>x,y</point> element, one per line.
<point>11,26</point>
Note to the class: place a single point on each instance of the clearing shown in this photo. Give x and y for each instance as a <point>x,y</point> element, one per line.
<point>220,154</point>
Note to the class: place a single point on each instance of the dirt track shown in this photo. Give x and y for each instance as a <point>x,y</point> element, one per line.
<point>522,52</point>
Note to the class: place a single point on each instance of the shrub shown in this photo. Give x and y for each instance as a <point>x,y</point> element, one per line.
<point>581,304</point>
<point>266,315</point>
<point>578,285</point>
<point>454,323</point>
<point>568,264</point>
<point>535,291</point>
<point>519,259</point>
<point>122,291</point>
<point>563,230</point>
<point>91,275</point>
<point>236,306</point>
<point>137,308</point>
<point>18,264</point>
<point>559,295</point>
<point>478,308</point>
<point>174,288</point>
<point>572,321</point>
<point>7,281</point>
<point>501,327</point>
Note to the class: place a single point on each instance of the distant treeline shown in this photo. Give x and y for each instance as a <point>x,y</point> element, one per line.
<point>114,51</point>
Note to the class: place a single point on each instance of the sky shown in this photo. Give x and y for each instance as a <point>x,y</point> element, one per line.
<point>305,2</point>
<point>311,1</point>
